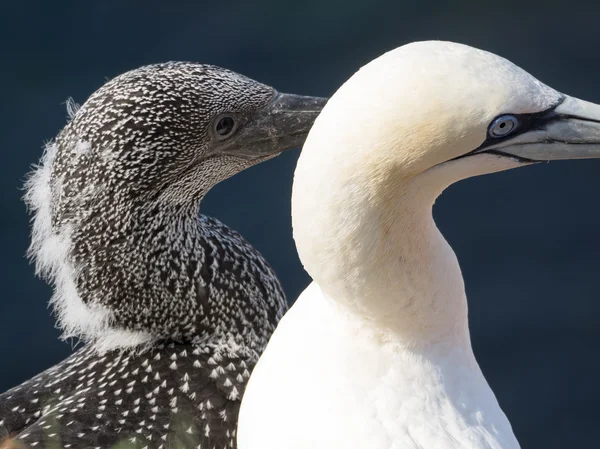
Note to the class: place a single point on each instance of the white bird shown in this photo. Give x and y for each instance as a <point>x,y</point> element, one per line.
<point>376,353</point>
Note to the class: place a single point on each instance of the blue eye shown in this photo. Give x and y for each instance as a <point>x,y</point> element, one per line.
<point>503,126</point>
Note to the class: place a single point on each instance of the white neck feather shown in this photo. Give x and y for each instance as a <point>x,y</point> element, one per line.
<point>382,257</point>
<point>364,230</point>
<point>50,250</point>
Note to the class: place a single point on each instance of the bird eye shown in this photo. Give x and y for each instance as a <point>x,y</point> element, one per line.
<point>225,126</point>
<point>503,126</point>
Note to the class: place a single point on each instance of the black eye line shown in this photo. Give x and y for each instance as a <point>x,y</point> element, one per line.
<point>525,122</point>
<point>535,121</point>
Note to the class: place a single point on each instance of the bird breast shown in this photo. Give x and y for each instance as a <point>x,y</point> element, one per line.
<point>354,388</point>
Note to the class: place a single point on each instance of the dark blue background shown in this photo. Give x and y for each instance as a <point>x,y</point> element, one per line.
<point>527,239</point>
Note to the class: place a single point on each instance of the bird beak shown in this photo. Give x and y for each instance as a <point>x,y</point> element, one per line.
<point>569,131</point>
<point>281,125</point>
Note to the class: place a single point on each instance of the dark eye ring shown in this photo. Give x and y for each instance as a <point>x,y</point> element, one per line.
<point>225,126</point>
<point>503,126</point>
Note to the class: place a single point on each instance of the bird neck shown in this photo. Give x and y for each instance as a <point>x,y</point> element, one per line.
<point>168,273</point>
<point>133,263</point>
<point>158,271</point>
<point>128,273</point>
<point>366,234</point>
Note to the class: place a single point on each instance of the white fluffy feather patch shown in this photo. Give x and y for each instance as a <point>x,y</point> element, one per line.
<point>50,251</point>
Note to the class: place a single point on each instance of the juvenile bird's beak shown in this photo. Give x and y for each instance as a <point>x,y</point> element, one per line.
<point>569,131</point>
<point>281,125</point>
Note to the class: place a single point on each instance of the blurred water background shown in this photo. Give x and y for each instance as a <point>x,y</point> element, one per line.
<point>527,240</point>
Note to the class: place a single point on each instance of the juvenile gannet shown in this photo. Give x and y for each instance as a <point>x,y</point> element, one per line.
<point>175,307</point>
<point>375,353</point>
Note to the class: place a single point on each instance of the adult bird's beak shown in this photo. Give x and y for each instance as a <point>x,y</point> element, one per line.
<point>281,125</point>
<point>569,131</point>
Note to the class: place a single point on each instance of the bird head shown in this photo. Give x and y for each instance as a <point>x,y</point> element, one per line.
<point>175,130</point>
<point>431,104</point>
<point>116,196</point>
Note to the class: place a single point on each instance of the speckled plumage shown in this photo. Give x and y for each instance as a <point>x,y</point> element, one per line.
<point>174,395</point>
<point>126,177</point>
<point>174,307</point>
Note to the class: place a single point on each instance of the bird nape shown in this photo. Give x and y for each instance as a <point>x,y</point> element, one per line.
<point>376,352</point>
<point>173,307</point>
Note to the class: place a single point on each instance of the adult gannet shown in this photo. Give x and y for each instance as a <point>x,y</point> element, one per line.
<point>174,307</point>
<point>376,352</point>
